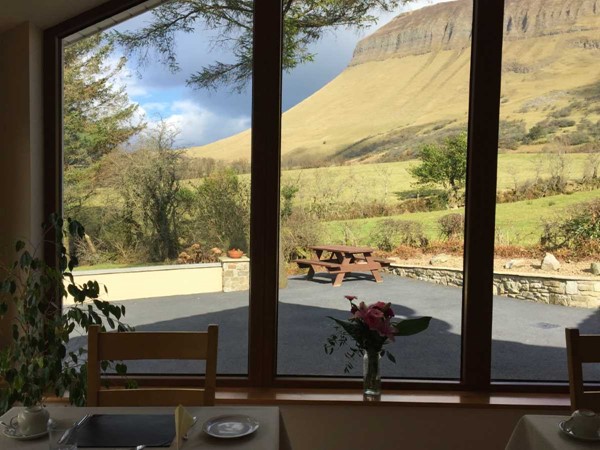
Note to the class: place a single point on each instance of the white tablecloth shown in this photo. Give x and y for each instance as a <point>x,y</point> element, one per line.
<point>271,435</point>
<point>541,433</point>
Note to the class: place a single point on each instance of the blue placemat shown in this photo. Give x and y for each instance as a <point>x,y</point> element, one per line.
<point>127,430</point>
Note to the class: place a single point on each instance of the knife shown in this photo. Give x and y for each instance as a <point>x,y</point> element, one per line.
<point>71,430</point>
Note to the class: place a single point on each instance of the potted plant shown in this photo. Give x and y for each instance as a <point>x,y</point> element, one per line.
<point>235,253</point>
<point>236,247</point>
<point>39,361</point>
<point>371,327</point>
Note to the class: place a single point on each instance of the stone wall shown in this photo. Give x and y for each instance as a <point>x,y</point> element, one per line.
<point>236,273</point>
<point>567,291</point>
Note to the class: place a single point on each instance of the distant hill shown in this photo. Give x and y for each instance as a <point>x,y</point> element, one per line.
<point>407,83</point>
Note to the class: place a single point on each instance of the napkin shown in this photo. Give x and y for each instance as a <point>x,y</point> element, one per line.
<point>183,422</point>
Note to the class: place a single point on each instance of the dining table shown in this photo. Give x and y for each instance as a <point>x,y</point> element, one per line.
<point>541,432</point>
<point>270,435</point>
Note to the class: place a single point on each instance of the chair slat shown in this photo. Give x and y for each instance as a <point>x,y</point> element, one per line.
<point>151,397</point>
<point>148,345</point>
<point>142,345</point>
<point>582,349</point>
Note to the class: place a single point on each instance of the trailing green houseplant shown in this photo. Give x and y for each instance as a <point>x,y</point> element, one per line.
<point>38,360</point>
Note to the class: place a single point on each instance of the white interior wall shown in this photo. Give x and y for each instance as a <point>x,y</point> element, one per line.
<point>21,139</point>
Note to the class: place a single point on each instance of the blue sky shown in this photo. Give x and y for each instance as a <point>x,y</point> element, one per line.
<point>204,116</point>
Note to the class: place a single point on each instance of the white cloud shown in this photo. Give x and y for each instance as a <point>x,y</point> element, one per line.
<point>196,125</point>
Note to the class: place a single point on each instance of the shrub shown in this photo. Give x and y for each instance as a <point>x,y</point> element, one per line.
<point>406,252</point>
<point>298,232</point>
<point>538,131</point>
<point>452,226</point>
<point>561,123</point>
<point>514,251</point>
<point>563,112</point>
<point>577,138</point>
<point>578,230</point>
<point>390,233</point>
<point>512,133</point>
<point>222,211</point>
<point>455,248</point>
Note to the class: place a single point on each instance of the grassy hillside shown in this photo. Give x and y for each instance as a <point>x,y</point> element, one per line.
<point>518,223</point>
<point>387,108</point>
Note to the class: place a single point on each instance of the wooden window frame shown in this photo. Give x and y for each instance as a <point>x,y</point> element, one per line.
<point>483,122</point>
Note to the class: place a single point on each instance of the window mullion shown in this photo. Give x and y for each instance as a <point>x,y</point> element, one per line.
<point>265,171</point>
<point>484,114</point>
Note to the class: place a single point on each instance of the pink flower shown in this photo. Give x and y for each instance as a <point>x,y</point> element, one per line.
<point>385,307</point>
<point>351,297</point>
<point>374,316</point>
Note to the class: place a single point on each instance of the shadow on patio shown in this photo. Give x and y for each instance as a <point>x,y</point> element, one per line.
<point>528,338</point>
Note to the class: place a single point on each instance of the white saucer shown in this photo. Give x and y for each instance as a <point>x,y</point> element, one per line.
<point>13,434</point>
<point>230,426</point>
<point>569,433</point>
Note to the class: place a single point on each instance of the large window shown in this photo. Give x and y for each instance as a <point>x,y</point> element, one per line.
<point>341,161</point>
<point>362,125</point>
<point>548,195</point>
<point>156,165</point>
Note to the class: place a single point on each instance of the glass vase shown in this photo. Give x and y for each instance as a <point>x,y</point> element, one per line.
<point>371,375</point>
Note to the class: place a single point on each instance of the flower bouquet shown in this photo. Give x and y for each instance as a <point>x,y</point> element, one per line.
<point>371,327</point>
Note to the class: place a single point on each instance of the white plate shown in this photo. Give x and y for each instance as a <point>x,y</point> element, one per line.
<point>22,437</point>
<point>569,433</point>
<point>231,426</point>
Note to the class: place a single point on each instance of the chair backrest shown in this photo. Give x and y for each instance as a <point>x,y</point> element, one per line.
<point>582,349</point>
<point>112,346</point>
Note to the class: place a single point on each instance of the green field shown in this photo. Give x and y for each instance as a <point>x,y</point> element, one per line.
<point>371,181</point>
<point>518,223</point>
<point>386,181</point>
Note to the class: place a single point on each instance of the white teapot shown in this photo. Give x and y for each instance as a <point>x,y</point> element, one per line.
<point>583,423</point>
<point>32,420</point>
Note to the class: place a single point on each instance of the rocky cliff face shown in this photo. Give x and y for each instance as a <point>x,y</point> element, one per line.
<point>447,26</point>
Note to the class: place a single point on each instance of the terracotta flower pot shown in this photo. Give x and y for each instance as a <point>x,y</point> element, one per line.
<point>235,253</point>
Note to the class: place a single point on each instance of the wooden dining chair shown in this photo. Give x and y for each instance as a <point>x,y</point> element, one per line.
<point>112,346</point>
<point>582,349</point>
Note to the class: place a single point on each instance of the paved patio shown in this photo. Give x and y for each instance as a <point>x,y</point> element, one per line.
<point>528,338</point>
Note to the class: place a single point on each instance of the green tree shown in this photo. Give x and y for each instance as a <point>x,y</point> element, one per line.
<point>444,165</point>
<point>305,22</point>
<point>148,182</point>
<point>98,115</point>
<point>222,213</point>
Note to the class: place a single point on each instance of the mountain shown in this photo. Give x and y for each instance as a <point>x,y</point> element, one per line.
<point>407,83</point>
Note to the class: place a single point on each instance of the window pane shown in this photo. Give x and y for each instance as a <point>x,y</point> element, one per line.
<point>548,198</point>
<point>153,172</point>
<point>360,122</point>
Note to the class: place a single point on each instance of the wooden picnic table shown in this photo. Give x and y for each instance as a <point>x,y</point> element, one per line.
<point>342,259</point>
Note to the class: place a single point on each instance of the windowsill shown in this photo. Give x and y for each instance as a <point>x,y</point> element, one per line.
<point>353,397</point>
<point>331,397</point>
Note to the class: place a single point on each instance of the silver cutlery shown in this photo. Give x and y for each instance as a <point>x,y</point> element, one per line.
<point>186,435</point>
<point>70,431</point>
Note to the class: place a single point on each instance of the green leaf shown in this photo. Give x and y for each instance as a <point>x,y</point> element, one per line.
<point>121,369</point>
<point>25,259</point>
<point>409,327</point>
<point>390,357</point>
<point>20,245</point>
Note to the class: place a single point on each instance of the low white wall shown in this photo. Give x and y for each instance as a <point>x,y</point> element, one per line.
<point>155,281</point>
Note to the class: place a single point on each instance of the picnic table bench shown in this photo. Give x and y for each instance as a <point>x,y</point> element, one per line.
<point>342,259</point>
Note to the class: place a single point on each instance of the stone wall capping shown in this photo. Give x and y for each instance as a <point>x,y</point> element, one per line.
<point>529,276</point>
<point>550,289</point>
